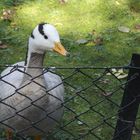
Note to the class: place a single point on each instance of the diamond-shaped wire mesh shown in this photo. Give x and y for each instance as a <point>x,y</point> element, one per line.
<point>91,103</point>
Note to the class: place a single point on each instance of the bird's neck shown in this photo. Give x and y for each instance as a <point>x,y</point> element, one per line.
<point>33,81</point>
<point>35,60</point>
<point>35,64</point>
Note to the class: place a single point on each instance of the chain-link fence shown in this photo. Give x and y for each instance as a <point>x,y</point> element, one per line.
<point>92,104</point>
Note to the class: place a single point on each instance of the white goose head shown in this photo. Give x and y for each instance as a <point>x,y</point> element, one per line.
<point>45,37</point>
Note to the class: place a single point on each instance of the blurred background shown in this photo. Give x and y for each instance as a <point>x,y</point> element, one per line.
<point>97,33</point>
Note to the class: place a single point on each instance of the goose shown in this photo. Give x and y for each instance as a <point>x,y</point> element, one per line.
<point>31,98</point>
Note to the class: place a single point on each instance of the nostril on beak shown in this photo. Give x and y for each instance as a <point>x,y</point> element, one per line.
<point>68,54</point>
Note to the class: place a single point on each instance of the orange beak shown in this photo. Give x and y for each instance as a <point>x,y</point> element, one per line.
<point>60,49</point>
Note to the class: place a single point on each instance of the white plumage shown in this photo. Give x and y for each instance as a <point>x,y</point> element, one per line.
<point>25,105</point>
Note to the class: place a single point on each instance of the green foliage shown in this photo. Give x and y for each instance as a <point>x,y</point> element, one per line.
<point>76,20</point>
<point>12,2</point>
<point>134,5</point>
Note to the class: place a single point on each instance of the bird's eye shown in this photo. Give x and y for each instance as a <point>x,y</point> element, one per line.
<point>46,37</point>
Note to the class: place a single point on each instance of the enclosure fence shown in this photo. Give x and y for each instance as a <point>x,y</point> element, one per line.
<point>100,103</point>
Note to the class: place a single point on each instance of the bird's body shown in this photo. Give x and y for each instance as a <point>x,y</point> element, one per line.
<point>31,98</point>
<point>50,103</point>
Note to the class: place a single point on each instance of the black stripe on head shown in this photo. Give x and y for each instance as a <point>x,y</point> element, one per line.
<point>40,29</point>
<point>32,36</point>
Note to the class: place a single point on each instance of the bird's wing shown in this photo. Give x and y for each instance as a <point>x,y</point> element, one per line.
<point>54,85</point>
<point>10,80</point>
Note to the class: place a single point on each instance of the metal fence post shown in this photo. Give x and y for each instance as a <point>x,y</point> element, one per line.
<point>130,103</point>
